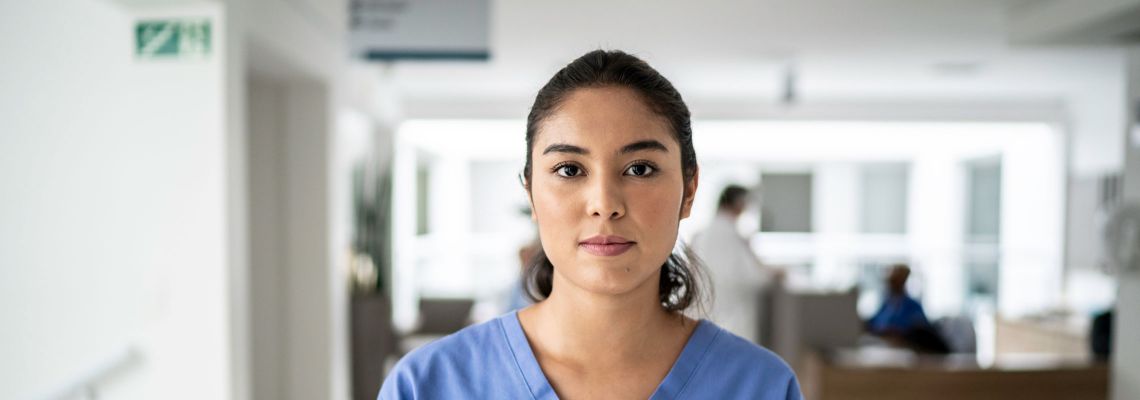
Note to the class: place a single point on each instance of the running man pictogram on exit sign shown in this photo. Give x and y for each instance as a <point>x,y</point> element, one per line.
<point>173,38</point>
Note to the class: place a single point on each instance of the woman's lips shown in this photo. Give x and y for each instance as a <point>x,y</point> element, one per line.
<point>607,250</point>
<point>606,246</point>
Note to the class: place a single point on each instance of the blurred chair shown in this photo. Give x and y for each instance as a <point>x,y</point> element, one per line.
<point>813,320</point>
<point>374,339</point>
<point>1100,335</point>
<point>958,332</point>
<point>444,316</point>
<point>438,318</point>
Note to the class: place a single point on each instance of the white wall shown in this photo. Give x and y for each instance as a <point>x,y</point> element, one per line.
<point>266,240</point>
<point>310,268</point>
<point>125,196</point>
<point>114,228</point>
<point>294,285</point>
<point>298,44</point>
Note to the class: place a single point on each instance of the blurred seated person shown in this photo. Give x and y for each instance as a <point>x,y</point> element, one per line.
<point>901,320</point>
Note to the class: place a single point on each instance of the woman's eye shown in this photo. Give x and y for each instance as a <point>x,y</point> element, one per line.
<point>568,171</point>
<point>639,170</point>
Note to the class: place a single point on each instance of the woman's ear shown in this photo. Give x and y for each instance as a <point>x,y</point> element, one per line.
<point>526,190</point>
<point>690,193</point>
<point>530,202</point>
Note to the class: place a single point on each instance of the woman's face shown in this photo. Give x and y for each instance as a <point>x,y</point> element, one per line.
<point>607,191</point>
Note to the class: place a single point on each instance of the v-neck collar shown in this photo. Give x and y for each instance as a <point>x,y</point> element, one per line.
<point>669,388</point>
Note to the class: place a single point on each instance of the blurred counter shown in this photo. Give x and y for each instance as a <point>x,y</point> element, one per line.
<point>888,374</point>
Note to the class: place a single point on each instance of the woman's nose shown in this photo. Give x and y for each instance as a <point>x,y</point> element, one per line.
<point>605,199</point>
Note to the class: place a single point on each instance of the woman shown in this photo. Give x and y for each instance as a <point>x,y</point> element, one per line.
<point>610,172</point>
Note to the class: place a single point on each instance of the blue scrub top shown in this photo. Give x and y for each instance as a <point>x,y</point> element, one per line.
<point>493,360</point>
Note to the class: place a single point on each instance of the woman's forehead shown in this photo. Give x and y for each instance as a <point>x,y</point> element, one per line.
<point>604,118</point>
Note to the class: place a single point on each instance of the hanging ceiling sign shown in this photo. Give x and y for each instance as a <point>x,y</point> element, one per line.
<point>391,30</point>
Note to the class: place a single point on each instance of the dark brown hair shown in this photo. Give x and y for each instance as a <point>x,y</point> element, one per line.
<point>731,195</point>
<point>679,286</point>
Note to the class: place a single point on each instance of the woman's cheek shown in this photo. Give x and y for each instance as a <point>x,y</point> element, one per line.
<point>661,206</point>
<point>555,211</point>
<point>561,206</point>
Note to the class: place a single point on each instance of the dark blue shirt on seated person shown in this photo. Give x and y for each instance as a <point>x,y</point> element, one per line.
<point>899,314</point>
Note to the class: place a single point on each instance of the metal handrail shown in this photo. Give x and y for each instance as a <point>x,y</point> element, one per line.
<point>86,385</point>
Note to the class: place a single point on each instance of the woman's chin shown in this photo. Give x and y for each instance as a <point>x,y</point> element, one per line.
<point>614,281</point>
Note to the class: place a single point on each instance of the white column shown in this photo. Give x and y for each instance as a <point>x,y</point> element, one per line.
<point>835,199</point>
<point>1032,221</point>
<point>934,226</point>
<point>1126,350</point>
<point>404,291</point>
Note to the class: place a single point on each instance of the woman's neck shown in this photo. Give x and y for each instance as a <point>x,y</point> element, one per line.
<point>575,326</point>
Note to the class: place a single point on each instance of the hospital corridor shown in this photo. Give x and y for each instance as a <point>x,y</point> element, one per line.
<point>409,199</point>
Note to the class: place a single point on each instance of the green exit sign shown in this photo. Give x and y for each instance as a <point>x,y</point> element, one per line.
<point>173,38</point>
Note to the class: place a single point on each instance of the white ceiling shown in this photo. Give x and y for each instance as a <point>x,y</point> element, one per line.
<point>840,48</point>
<point>851,51</point>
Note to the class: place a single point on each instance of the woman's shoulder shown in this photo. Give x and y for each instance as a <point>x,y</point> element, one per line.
<point>476,359</point>
<point>739,365</point>
<point>732,348</point>
<point>461,345</point>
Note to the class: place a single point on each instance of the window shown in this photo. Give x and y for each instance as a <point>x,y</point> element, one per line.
<point>785,202</point>
<point>883,198</point>
<point>423,179</point>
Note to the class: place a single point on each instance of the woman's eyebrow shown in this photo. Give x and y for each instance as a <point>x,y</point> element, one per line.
<point>644,145</point>
<point>565,148</point>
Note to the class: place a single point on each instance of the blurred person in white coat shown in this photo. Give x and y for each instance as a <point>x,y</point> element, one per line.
<point>739,279</point>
